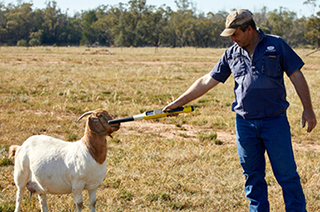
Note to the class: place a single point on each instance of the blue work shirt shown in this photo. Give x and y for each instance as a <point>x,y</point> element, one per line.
<point>259,85</point>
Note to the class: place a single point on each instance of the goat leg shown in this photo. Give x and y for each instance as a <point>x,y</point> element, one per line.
<point>93,199</point>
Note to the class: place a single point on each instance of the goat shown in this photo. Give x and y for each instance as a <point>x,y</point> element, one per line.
<point>47,165</point>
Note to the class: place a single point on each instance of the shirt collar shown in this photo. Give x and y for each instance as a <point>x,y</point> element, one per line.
<point>261,33</point>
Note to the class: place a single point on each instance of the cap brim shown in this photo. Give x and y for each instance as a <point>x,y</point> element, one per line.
<point>227,32</point>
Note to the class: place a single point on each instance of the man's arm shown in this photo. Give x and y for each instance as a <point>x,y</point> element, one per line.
<point>303,92</point>
<point>197,89</point>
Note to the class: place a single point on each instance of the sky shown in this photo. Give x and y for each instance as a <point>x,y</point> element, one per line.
<point>205,6</point>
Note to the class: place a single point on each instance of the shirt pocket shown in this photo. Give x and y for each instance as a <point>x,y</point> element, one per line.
<point>271,65</point>
<point>237,65</point>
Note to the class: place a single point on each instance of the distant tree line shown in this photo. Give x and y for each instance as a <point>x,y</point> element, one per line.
<point>138,24</point>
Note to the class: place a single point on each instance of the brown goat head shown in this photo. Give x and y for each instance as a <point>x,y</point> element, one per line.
<point>98,122</point>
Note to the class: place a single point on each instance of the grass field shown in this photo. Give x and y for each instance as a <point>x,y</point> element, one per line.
<point>186,163</point>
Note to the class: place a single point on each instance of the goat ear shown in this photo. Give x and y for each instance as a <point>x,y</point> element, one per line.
<point>95,126</point>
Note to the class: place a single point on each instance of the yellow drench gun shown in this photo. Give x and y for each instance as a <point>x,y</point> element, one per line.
<point>153,114</point>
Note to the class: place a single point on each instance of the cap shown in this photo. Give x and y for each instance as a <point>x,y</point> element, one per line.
<point>236,19</point>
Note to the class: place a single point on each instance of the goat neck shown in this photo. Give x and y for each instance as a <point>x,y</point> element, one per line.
<point>97,128</point>
<point>96,144</point>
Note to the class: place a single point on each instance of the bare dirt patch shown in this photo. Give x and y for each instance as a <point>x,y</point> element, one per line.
<point>171,131</point>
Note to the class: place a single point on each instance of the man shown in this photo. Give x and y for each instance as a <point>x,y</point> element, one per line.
<point>258,63</point>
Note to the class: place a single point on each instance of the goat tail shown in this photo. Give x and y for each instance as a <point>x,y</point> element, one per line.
<point>13,150</point>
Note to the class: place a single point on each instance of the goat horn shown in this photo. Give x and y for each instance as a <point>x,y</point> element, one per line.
<point>83,115</point>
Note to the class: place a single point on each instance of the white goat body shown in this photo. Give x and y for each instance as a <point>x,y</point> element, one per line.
<point>46,165</point>
<point>54,165</point>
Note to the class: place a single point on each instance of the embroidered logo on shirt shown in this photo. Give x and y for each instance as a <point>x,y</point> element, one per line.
<point>271,49</point>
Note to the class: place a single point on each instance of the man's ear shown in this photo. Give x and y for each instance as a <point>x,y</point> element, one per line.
<point>250,29</point>
<point>95,126</point>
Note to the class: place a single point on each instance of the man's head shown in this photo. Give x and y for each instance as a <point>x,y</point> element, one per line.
<point>238,18</point>
<point>241,29</point>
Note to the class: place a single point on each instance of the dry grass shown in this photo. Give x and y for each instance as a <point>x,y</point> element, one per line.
<point>43,91</point>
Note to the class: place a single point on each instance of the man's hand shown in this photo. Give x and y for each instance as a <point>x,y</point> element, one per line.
<point>303,92</point>
<point>172,106</point>
<point>310,118</point>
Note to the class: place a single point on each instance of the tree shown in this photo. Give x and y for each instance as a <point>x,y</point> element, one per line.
<point>34,42</point>
<point>72,31</point>
<point>285,24</point>
<point>299,31</point>
<point>312,4</point>
<point>137,13</point>
<point>103,26</point>
<point>3,30</point>
<point>121,34</point>
<point>148,28</point>
<point>120,27</point>
<point>53,23</point>
<point>313,30</point>
<point>167,29</point>
<point>89,35</point>
<point>22,42</point>
<point>312,25</point>
<point>138,24</point>
<point>19,22</point>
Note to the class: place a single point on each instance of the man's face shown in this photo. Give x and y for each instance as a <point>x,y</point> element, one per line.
<point>241,38</point>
